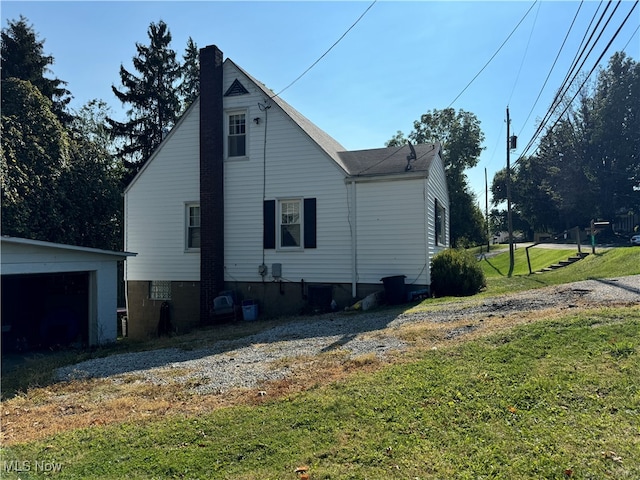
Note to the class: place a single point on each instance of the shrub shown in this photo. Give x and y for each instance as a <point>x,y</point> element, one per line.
<point>456,272</point>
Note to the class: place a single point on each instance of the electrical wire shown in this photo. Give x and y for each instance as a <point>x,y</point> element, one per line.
<point>596,65</point>
<point>552,67</point>
<point>568,83</point>
<point>631,38</point>
<point>325,53</point>
<point>560,92</point>
<point>494,55</point>
<point>526,50</point>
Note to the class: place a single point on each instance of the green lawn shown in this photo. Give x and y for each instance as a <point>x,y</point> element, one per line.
<point>555,399</point>
<point>534,402</point>
<point>610,263</point>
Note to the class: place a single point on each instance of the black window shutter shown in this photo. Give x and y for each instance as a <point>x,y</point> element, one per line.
<point>309,223</point>
<point>269,219</point>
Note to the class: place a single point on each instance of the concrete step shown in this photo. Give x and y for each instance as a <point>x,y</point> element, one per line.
<point>563,263</point>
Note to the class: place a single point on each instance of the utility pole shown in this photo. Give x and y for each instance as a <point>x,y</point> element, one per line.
<point>509,219</point>
<point>486,207</point>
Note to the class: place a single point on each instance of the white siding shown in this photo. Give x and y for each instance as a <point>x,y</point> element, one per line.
<point>395,219</point>
<point>32,257</point>
<point>436,188</point>
<point>295,167</point>
<point>155,207</point>
<point>390,230</point>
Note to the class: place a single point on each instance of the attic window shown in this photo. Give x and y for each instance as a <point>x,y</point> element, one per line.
<point>236,89</point>
<point>236,135</point>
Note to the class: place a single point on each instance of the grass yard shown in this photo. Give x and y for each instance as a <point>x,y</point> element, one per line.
<point>610,263</point>
<point>555,399</point>
<point>551,396</point>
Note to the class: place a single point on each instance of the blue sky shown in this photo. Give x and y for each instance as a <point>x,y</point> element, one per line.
<point>401,60</point>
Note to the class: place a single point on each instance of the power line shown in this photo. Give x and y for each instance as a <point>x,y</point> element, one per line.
<point>526,50</point>
<point>631,38</point>
<point>570,76</point>
<point>552,67</point>
<point>562,91</point>
<point>325,53</point>
<point>596,64</point>
<point>494,55</point>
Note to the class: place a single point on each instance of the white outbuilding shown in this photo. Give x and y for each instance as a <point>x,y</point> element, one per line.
<point>57,295</point>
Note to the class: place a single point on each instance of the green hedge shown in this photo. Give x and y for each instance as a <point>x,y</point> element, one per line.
<point>456,272</point>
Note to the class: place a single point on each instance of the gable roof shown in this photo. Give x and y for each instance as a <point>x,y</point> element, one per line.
<point>358,163</point>
<point>325,141</point>
<point>390,161</point>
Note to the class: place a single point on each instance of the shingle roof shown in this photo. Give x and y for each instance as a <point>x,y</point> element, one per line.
<point>359,163</point>
<point>389,161</point>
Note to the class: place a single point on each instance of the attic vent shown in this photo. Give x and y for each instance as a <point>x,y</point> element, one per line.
<point>235,89</point>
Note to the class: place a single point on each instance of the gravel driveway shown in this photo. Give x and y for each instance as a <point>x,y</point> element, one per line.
<point>252,360</point>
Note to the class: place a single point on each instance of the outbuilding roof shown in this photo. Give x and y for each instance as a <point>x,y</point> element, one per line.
<point>27,242</point>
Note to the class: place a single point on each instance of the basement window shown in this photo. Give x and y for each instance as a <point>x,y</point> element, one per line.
<point>160,290</point>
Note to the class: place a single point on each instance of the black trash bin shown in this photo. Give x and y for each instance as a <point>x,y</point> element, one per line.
<point>320,297</point>
<point>394,289</point>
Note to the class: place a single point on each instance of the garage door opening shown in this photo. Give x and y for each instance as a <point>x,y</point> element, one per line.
<point>45,311</point>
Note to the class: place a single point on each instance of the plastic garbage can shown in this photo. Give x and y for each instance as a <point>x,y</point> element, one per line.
<point>394,289</point>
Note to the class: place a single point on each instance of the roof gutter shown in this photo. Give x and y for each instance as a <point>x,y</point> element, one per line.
<point>389,177</point>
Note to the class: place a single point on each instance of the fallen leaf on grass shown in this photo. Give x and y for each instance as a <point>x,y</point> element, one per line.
<point>302,472</point>
<point>610,455</point>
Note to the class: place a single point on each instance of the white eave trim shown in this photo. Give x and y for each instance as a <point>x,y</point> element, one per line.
<point>62,246</point>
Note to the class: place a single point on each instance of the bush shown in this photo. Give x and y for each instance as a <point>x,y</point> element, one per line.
<point>456,272</point>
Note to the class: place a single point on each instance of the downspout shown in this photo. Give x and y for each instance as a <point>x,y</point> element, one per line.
<point>354,241</point>
<point>125,267</point>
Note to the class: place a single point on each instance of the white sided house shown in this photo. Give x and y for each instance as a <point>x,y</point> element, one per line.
<point>246,195</point>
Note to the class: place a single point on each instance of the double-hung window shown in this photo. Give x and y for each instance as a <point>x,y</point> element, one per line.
<point>290,224</point>
<point>440,219</point>
<point>236,135</point>
<point>193,226</point>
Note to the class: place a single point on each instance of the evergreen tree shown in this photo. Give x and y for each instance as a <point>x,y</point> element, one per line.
<point>152,96</point>
<point>23,58</point>
<point>190,86</point>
